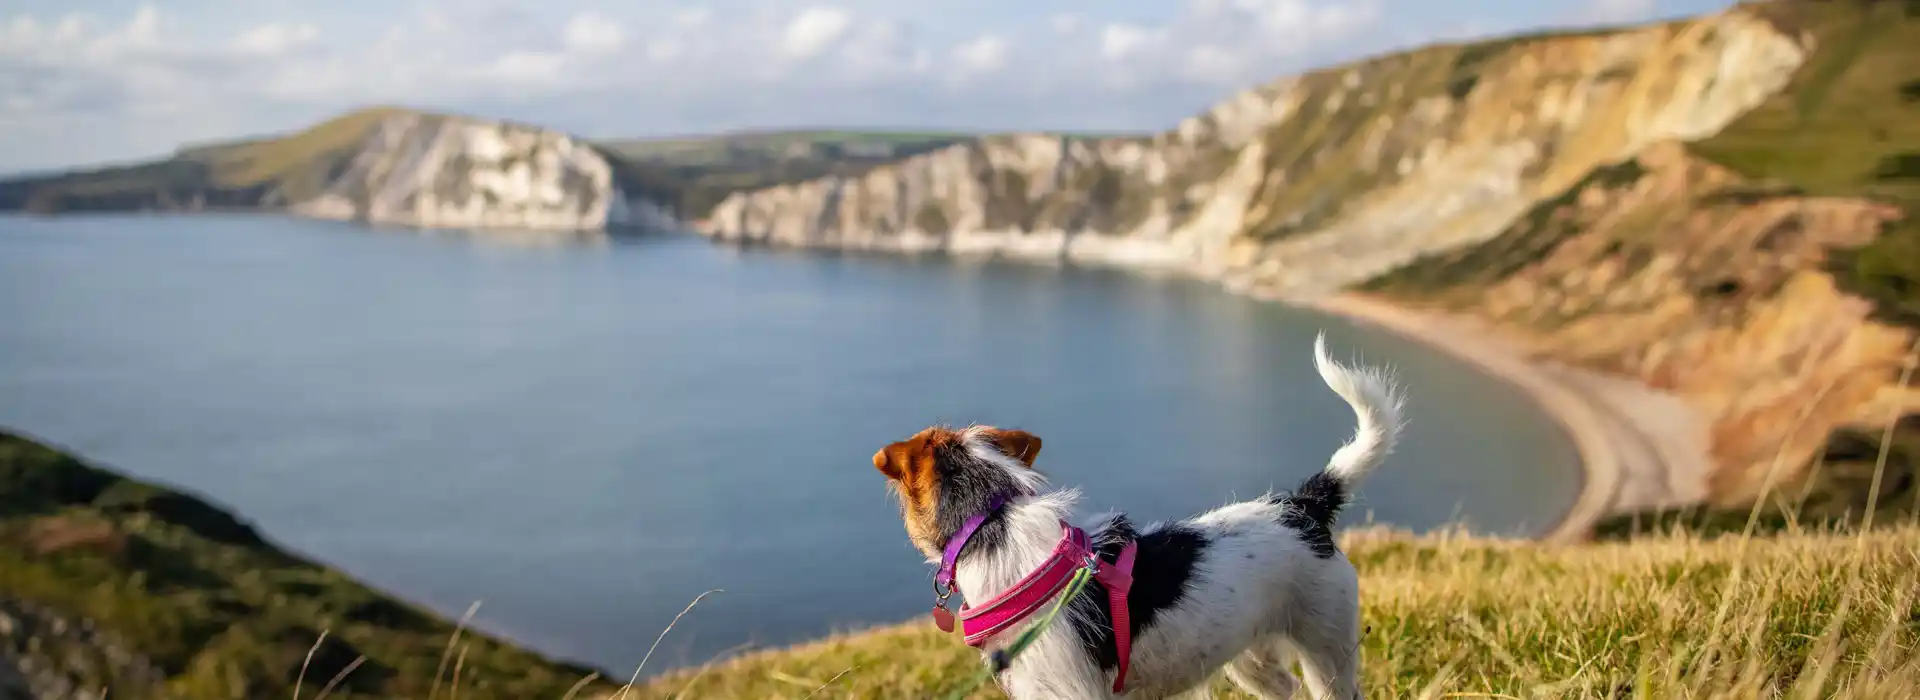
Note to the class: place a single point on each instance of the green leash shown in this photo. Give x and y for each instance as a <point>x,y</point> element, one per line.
<point>1003,658</point>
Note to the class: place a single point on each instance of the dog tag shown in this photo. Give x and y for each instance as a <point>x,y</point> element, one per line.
<point>943,619</point>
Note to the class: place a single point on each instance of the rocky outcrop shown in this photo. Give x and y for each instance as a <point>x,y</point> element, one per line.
<point>46,656</point>
<point>445,172</point>
<point>1313,182</point>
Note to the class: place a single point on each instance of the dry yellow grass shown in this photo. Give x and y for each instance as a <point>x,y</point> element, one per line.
<point>1810,615</point>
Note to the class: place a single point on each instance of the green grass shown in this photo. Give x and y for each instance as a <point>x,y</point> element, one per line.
<point>1826,615</point>
<point>222,613</point>
<point>1848,125</point>
<point>246,174</point>
<point>1801,613</point>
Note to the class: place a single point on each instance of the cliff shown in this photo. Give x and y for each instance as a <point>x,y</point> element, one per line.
<point>1368,164</point>
<point>116,587</point>
<point>1720,207</point>
<point>383,166</point>
<point>444,172</point>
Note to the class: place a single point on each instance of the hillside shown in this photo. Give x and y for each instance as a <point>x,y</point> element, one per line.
<point>708,169</point>
<point>1804,615</point>
<point>685,177</point>
<point>1770,273</point>
<point>107,583</point>
<point>1720,208</point>
<point>380,165</point>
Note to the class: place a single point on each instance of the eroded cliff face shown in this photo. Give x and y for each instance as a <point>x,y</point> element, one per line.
<point>434,171</point>
<point>1312,183</point>
<point>1695,280</point>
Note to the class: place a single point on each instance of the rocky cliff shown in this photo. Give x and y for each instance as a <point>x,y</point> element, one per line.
<point>443,172</point>
<point>1720,207</point>
<point>382,166</point>
<point>1311,182</point>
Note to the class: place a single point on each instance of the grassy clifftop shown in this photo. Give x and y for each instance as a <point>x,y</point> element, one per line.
<point>688,174</point>
<point>1803,615</point>
<point>110,583</point>
<point>263,172</point>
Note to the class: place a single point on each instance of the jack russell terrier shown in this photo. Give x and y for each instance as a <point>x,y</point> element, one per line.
<point>1249,586</point>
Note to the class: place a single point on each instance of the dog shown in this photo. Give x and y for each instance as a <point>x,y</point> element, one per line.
<point>1251,586</point>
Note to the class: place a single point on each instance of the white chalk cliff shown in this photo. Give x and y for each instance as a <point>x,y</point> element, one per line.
<point>434,171</point>
<point>1314,182</point>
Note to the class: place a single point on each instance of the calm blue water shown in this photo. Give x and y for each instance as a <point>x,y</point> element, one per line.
<point>586,435</point>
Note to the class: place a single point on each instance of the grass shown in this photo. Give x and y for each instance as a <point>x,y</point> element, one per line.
<point>189,590</point>
<point>1810,614</point>
<point>1798,613</point>
<point>1848,125</point>
<point>245,174</point>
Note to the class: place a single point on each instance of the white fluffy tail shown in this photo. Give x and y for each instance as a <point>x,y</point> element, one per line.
<point>1376,403</point>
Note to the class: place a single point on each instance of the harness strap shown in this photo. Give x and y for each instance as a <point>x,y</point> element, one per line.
<point>1012,606</point>
<point>1118,580</point>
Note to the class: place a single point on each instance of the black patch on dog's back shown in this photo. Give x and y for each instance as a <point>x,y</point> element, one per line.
<point>1310,510</point>
<point>1163,567</point>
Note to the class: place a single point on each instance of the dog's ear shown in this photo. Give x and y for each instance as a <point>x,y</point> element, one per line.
<point>1018,444</point>
<point>884,461</point>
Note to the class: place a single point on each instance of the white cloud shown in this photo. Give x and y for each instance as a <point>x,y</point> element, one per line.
<point>813,29</point>
<point>592,33</point>
<point>693,17</point>
<point>528,65</point>
<point>982,55</point>
<point>269,39</point>
<point>77,88</point>
<point>1118,41</point>
<point>145,24</point>
<point>1617,11</point>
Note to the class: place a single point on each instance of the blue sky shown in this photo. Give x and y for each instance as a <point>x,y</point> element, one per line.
<point>92,81</point>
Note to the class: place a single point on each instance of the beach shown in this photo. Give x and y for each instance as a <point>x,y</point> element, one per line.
<point>1639,448</point>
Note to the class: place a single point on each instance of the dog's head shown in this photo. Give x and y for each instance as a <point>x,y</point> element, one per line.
<point>942,476</point>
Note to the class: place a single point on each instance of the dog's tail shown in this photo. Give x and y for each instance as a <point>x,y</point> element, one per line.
<point>1376,404</point>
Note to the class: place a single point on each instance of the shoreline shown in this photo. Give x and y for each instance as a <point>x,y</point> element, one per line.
<point>1638,448</point>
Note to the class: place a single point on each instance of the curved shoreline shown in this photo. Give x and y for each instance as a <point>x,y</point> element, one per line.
<point>1626,462</point>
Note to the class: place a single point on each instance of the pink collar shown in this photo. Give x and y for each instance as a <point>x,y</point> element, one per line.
<point>981,623</point>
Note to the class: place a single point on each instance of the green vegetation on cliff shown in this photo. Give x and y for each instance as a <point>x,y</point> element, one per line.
<point>1713,256</point>
<point>706,169</point>
<point>178,598</point>
<point>688,175</point>
<point>265,172</point>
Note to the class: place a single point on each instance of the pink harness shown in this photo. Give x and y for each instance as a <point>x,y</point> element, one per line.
<point>1020,601</point>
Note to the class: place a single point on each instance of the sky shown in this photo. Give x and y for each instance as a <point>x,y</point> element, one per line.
<point>98,81</point>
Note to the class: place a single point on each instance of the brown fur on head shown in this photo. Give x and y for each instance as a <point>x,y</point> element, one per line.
<point>941,479</point>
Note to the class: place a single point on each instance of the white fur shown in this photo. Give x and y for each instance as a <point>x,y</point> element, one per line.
<point>1258,598</point>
